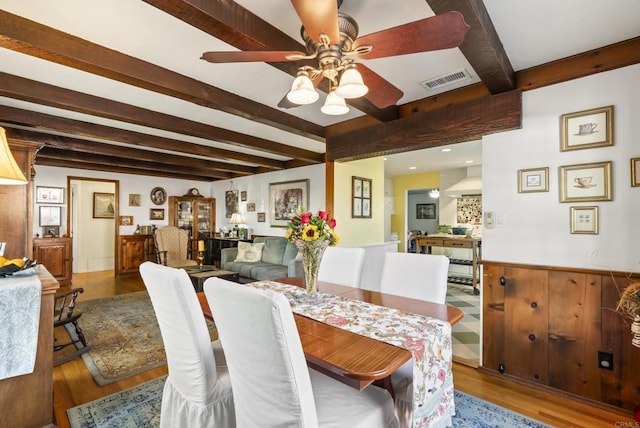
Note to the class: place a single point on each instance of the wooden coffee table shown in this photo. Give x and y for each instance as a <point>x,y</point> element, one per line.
<point>199,275</point>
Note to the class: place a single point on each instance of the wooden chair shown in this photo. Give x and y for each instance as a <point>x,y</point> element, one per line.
<point>64,313</point>
<point>172,247</point>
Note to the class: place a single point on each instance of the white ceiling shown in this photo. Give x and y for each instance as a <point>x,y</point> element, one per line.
<point>532,32</point>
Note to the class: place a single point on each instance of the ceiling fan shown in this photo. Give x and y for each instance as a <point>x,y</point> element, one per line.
<point>331,38</point>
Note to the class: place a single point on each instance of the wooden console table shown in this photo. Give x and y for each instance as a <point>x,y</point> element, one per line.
<point>427,242</point>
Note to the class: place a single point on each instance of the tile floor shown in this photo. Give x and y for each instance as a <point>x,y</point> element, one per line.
<point>465,333</point>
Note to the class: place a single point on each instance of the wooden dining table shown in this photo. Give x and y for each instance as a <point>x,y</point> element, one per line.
<point>351,358</point>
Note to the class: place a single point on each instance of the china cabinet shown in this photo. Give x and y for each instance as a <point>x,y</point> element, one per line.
<point>196,214</point>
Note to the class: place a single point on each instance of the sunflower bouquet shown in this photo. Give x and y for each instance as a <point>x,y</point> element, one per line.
<point>310,227</point>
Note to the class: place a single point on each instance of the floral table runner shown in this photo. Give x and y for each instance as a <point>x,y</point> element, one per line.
<point>428,339</point>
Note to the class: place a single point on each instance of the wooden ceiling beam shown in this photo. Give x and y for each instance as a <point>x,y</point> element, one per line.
<point>29,119</point>
<point>113,161</point>
<point>30,90</point>
<point>481,46</point>
<point>75,145</point>
<point>238,27</point>
<point>31,38</point>
<point>423,130</point>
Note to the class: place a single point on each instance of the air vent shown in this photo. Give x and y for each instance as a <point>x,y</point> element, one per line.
<point>447,79</point>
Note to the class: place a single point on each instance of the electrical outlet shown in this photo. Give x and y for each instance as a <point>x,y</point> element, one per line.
<point>605,360</point>
<point>488,219</point>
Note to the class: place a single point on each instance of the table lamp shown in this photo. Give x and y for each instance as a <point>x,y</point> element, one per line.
<point>10,172</point>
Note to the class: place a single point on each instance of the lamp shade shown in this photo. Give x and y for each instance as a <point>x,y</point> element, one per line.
<point>302,90</point>
<point>236,218</point>
<point>10,172</point>
<point>334,105</point>
<point>351,84</point>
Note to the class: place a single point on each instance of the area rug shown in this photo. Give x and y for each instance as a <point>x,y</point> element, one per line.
<point>124,336</point>
<point>139,407</point>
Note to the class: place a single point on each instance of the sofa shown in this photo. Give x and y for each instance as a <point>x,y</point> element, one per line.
<point>268,257</point>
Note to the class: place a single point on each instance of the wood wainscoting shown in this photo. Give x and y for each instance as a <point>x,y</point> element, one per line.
<point>549,326</point>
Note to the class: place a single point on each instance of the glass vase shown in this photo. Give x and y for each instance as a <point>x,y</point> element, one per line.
<point>311,254</point>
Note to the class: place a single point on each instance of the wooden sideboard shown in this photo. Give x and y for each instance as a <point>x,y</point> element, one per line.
<point>134,250</point>
<point>56,255</point>
<point>27,400</point>
<point>549,326</point>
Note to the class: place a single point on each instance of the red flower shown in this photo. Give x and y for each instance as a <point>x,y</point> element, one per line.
<point>323,215</point>
<point>305,218</point>
<point>332,223</point>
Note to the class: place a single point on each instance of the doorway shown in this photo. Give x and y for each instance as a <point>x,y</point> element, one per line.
<point>92,223</point>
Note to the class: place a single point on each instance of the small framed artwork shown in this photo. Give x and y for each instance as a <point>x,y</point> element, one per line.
<point>584,220</point>
<point>125,220</point>
<point>586,129</point>
<point>262,217</point>
<point>50,216</point>
<point>231,203</point>
<point>103,205</point>
<point>425,211</point>
<point>533,180</point>
<point>361,197</point>
<point>285,198</point>
<point>49,195</point>
<point>243,195</point>
<point>134,199</point>
<point>635,172</point>
<point>158,195</point>
<point>51,231</point>
<point>156,214</point>
<point>251,206</point>
<point>586,183</point>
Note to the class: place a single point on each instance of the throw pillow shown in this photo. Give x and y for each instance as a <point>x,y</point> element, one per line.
<point>249,252</point>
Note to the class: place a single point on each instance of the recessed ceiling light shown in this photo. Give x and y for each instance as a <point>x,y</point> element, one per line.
<point>445,150</point>
<point>384,158</point>
<point>469,161</point>
<point>412,167</point>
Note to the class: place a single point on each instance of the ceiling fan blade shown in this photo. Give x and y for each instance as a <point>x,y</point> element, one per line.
<point>438,32</point>
<point>319,16</point>
<point>255,56</point>
<point>381,93</point>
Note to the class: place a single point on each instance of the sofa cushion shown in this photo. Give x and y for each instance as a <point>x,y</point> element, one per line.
<point>248,252</point>
<point>244,268</point>
<point>262,273</point>
<point>290,253</point>
<point>273,250</point>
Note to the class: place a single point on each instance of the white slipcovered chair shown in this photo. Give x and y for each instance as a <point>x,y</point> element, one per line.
<point>272,385</point>
<point>197,392</point>
<point>421,277</point>
<point>172,247</point>
<point>342,265</point>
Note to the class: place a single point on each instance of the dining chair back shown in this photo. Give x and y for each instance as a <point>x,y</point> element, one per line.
<point>418,276</point>
<point>342,265</point>
<point>197,391</point>
<point>272,385</point>
<point>172,247</point>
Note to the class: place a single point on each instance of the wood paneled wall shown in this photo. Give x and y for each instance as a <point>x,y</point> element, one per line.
<point>546,325</point>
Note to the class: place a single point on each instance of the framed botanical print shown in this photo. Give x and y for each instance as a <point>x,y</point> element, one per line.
<point>361,197</point>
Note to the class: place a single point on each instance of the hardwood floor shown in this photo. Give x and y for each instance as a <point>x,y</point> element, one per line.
<point>73,384</point>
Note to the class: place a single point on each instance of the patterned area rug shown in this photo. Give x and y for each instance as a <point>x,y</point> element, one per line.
<point>124,336</point>
<point>139,407</point>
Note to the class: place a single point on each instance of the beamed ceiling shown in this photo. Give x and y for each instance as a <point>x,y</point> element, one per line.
<point>119,85</point>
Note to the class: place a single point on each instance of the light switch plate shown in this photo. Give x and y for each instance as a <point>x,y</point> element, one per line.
<point>489,219</point>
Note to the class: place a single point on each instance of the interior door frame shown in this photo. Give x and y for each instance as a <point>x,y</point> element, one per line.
<point>116,210</point>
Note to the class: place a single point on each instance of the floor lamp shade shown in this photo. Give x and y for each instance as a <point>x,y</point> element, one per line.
<point>10,172</point>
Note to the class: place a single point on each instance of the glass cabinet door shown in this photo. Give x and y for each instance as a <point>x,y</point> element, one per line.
<point>185,215</point>
<point>204,219</point>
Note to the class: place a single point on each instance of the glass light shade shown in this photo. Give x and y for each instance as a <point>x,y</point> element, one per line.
<point>351,84</point>
<point>434,193</point>
<point>334,105</point>
<point>236,218</point>
<point>10,172</point>
<point>302,90</point>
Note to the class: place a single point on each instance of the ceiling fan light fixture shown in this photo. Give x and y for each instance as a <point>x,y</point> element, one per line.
<point>302,90</point>
<point>434,193</point>
<point>351,84</point>
<point>334,105</point>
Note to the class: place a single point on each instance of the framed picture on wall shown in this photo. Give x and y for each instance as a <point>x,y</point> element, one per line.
<point>103,205</point>
<point>360,197</point>
<point>586,182</point>
<point>586,129</point>
<point>635,172</point>
<point>156,214</point>
<point>50,216</point>
<point>425,211</point>
<point>230,203</point>
<point>533,180</point>
<point>584,220</point>
<point>285,198</point>
<point>49,195</point>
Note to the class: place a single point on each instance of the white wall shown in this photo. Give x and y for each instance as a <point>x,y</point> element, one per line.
<point>536,226</point>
